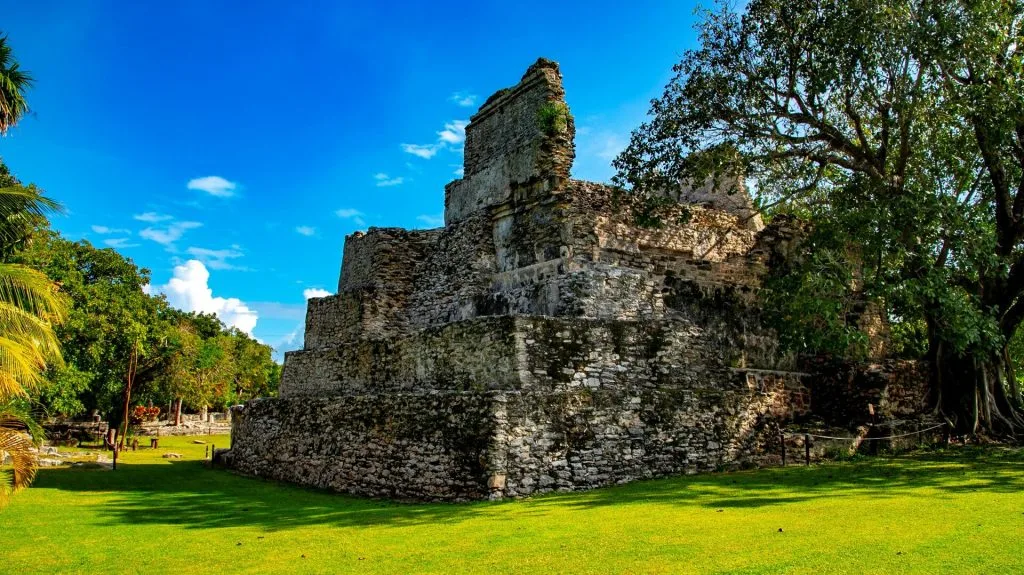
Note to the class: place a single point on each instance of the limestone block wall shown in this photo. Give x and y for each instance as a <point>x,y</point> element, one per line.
<point>454,274</point>
<point>537,354</point>
<point>555,403</point>
<point>586,439</point>
<point>379,268</point>
<point>895,389</point>
<point>399,446</point>
<point>506,145</point>
<point>702,244</point>
<point>333,319</point>
<point>478,444</point>
<point>727,194</point>
<point>473,354</point>
<point>529,233</point>
<point>572,253</point>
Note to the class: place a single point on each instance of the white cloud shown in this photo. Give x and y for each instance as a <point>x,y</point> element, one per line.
<point>464,99</point>
<point>217,259</point>
<point>213,185</point>
<point>432,221</point>
<point>384,180</point>
<point>167,236</point>
<point>305,230</point>
<point>189,290</point>
<point>310,293</point>
<point>426,151</point>
<point>351,214</point>
<point>454,132</point>
<point>460,172</point>
<point>451,138</point>
<point>106,230</point>
<point>152,217</point>
<point>119,243</point>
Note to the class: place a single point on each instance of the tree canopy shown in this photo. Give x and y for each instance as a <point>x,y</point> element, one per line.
<point>180,355</point>
<point>897,130</point>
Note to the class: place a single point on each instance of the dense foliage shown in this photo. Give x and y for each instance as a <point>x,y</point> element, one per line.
<point>187,356</point>
<point>897,130</point>
<point>30,303</point>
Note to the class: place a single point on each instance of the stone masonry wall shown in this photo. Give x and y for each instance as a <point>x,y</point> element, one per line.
<point>586,403</point>
<point>506,145</point>
<point>474,354</point>
<point>400,446</point>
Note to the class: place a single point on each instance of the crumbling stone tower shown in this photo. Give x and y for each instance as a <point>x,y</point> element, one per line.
<point>540,340</point>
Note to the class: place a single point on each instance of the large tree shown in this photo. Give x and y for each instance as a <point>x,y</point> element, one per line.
<point>111,320</point>
<point>897,130</point>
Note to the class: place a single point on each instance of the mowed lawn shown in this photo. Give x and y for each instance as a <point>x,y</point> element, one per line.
<point>957,511</point>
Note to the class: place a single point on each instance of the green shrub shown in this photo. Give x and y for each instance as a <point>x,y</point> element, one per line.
<point>553,118</point>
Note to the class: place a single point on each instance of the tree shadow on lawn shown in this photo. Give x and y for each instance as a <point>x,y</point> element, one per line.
<point>194,496</point>
<point>932,475</point>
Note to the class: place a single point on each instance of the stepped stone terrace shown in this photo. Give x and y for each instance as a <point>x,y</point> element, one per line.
<point>541,340</point>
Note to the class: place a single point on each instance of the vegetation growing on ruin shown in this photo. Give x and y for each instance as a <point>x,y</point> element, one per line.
<point>941,512</point>
<point>897,130</point>
<point>553,118</point>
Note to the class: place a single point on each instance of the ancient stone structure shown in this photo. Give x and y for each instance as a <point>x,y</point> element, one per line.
<point>541,340</point>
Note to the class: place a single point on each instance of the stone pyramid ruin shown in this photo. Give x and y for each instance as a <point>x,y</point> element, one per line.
<point>541,340</point>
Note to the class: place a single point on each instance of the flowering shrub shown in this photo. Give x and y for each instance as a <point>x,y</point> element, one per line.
<point>142,413</point>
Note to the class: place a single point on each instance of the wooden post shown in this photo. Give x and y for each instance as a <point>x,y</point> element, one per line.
<point>115,458</point>
<point>782,441</point>
<point>154,442</point>
<point>207,456</point>
<point>135,444</point>
<point>807,448</point>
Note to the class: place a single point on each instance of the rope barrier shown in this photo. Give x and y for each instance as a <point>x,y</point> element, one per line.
<point>865,438</point>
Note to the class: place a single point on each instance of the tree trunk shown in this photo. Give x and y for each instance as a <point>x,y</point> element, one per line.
<point>973,392</point>
<point>177,412</point>
<point>129,380</point>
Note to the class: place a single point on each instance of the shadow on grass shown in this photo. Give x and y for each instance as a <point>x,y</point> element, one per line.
<point>937,474</point>
<point>192,495</point>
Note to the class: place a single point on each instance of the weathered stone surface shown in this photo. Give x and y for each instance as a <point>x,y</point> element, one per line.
<point>508,145</point>
<point>541,340</point>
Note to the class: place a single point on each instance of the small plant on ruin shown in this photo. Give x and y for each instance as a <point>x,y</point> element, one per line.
<point>553,118</point>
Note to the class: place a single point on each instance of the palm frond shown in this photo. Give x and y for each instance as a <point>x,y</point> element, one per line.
<point>16,443</point>
<point>22,208</point>
<point>21,367</point>
<point>26,326</point>
<point>32,291</point>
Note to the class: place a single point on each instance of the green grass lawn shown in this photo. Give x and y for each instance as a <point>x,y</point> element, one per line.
<point>952,512</point>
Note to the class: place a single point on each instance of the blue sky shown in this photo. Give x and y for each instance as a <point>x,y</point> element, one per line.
<point>229,147</point>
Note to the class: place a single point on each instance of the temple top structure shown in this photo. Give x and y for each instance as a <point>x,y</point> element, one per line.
<point>522,136</point>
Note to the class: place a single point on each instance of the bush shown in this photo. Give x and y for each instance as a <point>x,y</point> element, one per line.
<point>141,414</point>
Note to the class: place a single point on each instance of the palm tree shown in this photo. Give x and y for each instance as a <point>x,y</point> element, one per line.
<point>30,304</point>
<point>13,84</point>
